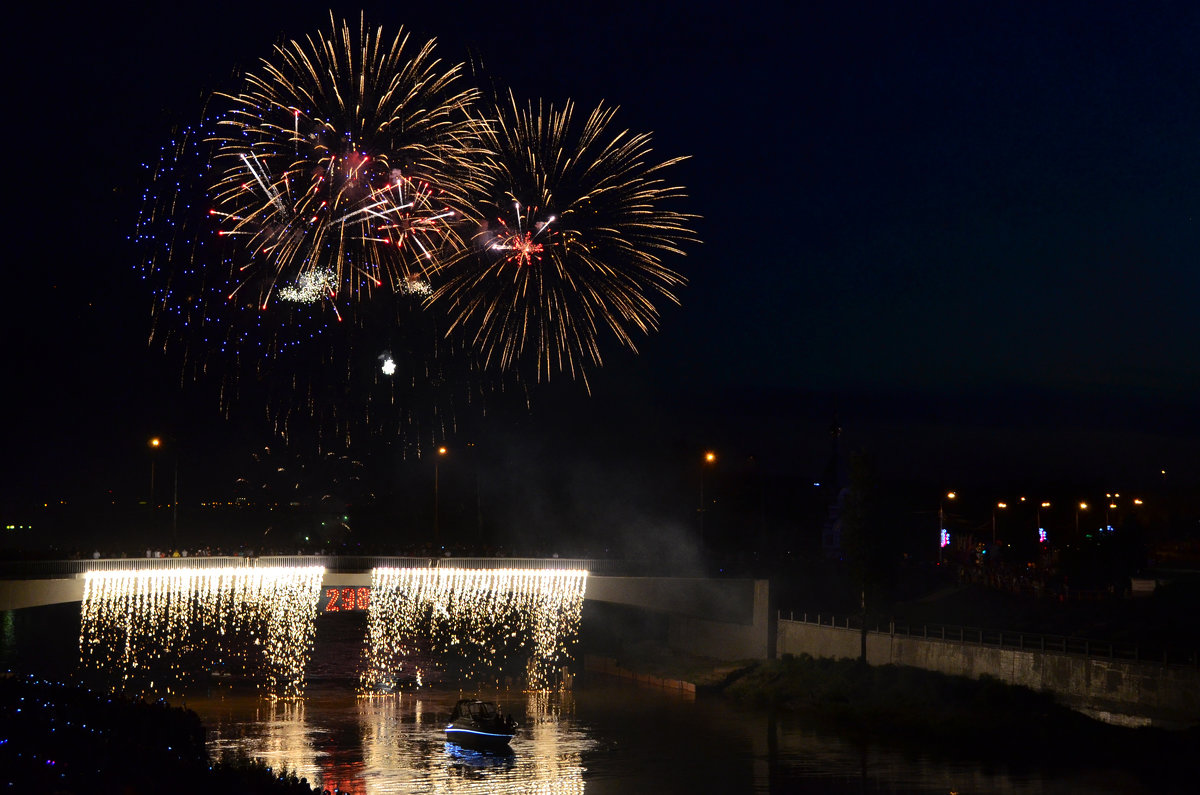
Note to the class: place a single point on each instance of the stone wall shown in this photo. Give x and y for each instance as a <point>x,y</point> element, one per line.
<point>728,640</point>
<point>1170,693</point>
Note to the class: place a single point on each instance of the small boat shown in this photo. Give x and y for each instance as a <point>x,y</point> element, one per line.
<point>479,724</point>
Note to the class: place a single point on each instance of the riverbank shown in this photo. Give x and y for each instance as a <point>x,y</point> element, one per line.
<point>925,712</point>
<point>957,716</point>
<point>62,738</point>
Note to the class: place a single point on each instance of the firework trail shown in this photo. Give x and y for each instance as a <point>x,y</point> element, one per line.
<point>573,222</point>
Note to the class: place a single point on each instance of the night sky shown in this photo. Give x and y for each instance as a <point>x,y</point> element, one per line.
<point>972,230</point>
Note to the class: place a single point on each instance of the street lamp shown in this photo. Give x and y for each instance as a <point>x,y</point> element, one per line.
<point>155,443</point>
<point>441,451</point>
<point>1041,531</point>
<point>478,509</point>
<point>999,506</point>
<point>1083,506</point>
<point>710,458</point>
<point>943,535</point>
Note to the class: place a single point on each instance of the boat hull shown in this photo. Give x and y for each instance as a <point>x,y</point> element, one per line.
<point>477,738</point>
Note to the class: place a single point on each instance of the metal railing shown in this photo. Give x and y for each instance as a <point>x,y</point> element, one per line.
<point>358,563</point>
<point>1007,639</point>
<point>50,569</point>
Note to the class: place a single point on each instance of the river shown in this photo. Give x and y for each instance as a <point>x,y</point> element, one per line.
<point>602,737</point>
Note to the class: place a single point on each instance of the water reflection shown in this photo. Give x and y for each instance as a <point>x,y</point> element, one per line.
<point>607,740</point>
<point>396,743</point>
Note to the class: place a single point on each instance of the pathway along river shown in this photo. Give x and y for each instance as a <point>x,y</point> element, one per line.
<point>602,737</point>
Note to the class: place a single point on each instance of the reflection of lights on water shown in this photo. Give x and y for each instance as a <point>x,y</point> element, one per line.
<point>286,745</point>
<point>561,768</point>
<point>151,631</point>
<point>403,745</point>
<point>481,620</point>
<point>384,738</point>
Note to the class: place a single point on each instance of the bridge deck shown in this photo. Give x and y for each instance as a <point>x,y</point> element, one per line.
<point>348,564</point>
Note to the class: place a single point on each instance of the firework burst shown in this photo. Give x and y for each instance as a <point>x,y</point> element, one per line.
<point>347,241</point>
<point>573,223</point>
<point>328,157</point>
<point>292,235</point>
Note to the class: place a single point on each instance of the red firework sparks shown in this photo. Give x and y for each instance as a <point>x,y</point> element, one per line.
<point>525,251</point>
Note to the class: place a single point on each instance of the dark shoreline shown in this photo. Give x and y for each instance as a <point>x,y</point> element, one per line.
<point>958,717</point>
<point>61,737</point>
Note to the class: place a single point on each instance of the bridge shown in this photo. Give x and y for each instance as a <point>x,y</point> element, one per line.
<point>712,617</point>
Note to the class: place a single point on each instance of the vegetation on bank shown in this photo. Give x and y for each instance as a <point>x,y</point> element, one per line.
<point>57,737</point>
<point>956,715</point>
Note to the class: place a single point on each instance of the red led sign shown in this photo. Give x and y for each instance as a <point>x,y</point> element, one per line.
<point>339,600</point>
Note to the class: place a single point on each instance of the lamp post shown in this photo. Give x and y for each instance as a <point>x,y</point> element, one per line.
<point>478,508</point>
<point>441,451</point>
<point>1083,506</point>
<point>1000,506</point>
<point>710,458</point>
<point>943,536</point>
<point>1041,532</point>
<point>156,443</point>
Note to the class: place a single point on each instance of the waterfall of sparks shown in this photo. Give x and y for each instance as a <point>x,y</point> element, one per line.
<point>150,632</point>
<point>479,623</point>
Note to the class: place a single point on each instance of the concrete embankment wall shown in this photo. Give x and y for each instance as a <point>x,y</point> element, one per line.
<point>1094,684</point>
<point>725,640</point>
<point>721,619</point>
<point>609,667</point>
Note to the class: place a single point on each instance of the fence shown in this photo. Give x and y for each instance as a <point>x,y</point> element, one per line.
<point>51,569</point>
<point>1010,639</point>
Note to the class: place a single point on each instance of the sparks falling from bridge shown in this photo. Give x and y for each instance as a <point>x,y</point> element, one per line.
<point>481,621</point>
<point>158,632</point>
